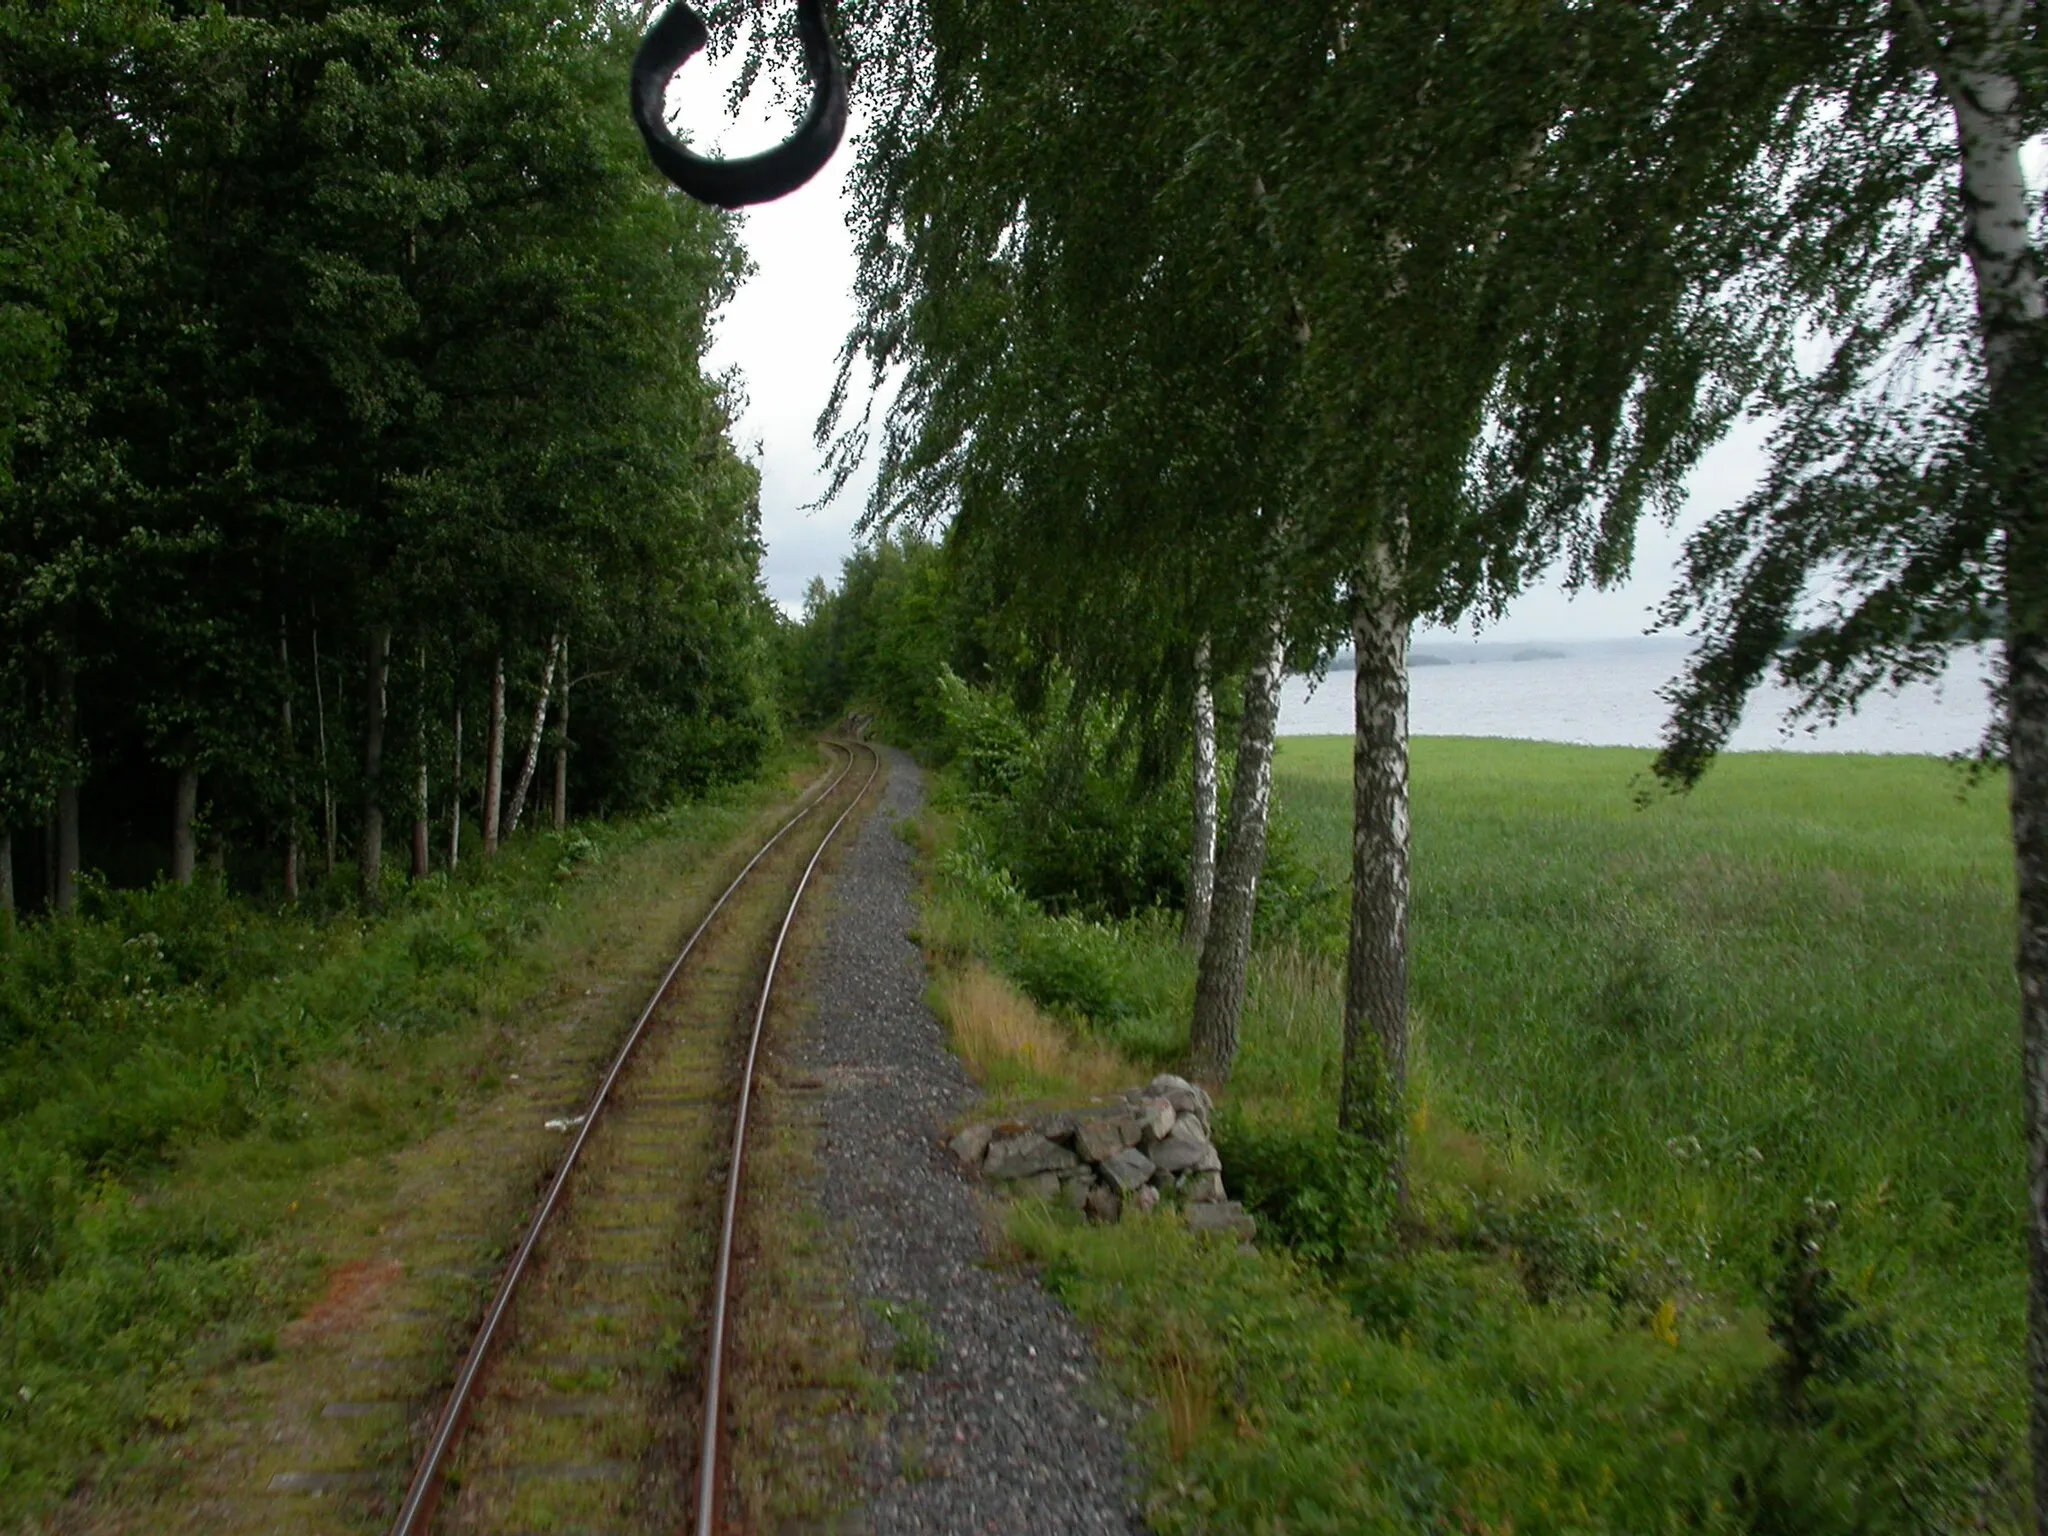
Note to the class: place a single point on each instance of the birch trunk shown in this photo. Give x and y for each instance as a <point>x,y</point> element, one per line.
<point>320,730</point>
<point>455,798</point>
<point>184,808</point>
<point>420,860</point>
<point>540,721</point>
<point>562,750</point>
<point>1375,1080</point>
<point>1226,955</point>
<point>494,761</point>
<point>1983,90</point>
<point>370,851</point>
<point>1202,845</point>
<point>64,872</point>
<point>291,768</point>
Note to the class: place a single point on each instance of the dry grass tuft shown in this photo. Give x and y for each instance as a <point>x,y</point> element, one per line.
<point>1008,1043</point>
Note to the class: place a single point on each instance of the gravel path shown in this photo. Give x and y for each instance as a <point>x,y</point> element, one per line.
<point>1009,1430</point>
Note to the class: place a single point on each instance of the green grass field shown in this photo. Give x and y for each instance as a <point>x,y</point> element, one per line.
<point>1794,982</point>
<point>1653,1035</point>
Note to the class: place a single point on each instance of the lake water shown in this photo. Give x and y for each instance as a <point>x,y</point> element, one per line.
<point>1604,693</point>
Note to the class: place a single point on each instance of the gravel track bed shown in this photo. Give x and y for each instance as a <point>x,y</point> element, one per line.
<point>1009,1430</point>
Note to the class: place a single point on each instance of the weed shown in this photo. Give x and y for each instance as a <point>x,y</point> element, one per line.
<point>914,1342</point>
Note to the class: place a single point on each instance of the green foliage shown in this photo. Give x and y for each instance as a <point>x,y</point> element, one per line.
<point>182,1066</point>
<point>430,363</point>
<point>1325,1197</point>
<point>1605,1313</point>
<point>1062,807</point>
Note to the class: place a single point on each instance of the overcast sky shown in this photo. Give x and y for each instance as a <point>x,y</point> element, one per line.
<point>783,334</point>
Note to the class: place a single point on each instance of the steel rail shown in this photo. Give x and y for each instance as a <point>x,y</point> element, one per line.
<point>424,1491</point>
<point>714,1365</point>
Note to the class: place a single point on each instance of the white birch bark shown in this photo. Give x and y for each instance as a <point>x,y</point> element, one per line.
<point>533,740</point>
<point>1375,1075</point>
<point>455,798</point>
<point>1982,86</point>
<point>494,761</point>
<point>1226,957</point>
<point>370,846</point>
<point>1202,842</point>
<point>421,809</point>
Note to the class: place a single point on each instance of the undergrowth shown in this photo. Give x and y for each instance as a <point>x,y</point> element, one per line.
<point>1529,1343</point>
<point>176,1064</point>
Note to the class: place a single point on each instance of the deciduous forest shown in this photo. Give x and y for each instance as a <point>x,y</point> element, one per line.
<point>362,483</point>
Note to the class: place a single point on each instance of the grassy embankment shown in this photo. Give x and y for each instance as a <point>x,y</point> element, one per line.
<point>178,1068</point>
<point>1717,1200</point>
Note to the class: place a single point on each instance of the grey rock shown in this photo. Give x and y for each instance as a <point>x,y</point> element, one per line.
<point>1185,1149</point>
<point>1076,1187</point>
<point>1128,1170</point>
<point>1100,1137</point>
<point>1225,1216</point>
<point>1203,1187</point>
<point>1184,1096</point>
<point>1104,1203</point>
<point>1057,1127</point>
<point>971,1146</point>
<point>1040,1186</point>
<point>1019,1157</point>
<point>1155,1120</point>
<point>1147,1199</point>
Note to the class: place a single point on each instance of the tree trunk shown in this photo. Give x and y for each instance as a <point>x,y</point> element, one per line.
<point>1226,956</point>
<point>540,720</point>
<point>291,768</point>
<point>455,794</point>
<point>419,799</point>
<point>1202,844</point>
<point>562,750</point>
<point>1983,90</point>
<point>184,808</point>
<point>326,783</point>
<point>494,761</point>
<point>64,873</point>
<point>370,851</point>
<point>1371,1096</point>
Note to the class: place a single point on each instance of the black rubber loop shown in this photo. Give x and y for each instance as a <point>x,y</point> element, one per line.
<point>762,178</point>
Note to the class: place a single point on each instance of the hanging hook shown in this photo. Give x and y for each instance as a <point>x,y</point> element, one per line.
<point>668,45</point>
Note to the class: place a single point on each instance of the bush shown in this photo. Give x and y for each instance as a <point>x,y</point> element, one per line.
<point>1325,1196</point>
<point>1062,807</point>
<point>1075,968</point>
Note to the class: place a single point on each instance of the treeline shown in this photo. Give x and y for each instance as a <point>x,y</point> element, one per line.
<point>1232,334</point>
<point>359,475</point>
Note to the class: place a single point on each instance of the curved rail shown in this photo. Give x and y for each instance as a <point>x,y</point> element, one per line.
<point>424,1491</point>
<point>714,1364</point>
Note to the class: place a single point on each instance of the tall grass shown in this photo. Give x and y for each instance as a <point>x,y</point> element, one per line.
<point>1715,1216</point>
<point>1795,982</point>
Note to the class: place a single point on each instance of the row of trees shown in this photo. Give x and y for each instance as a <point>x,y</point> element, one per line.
<point>351,401</point>
<point>1230,330</point>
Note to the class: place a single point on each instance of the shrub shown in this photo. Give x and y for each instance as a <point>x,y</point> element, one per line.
<point>1325,1196</point>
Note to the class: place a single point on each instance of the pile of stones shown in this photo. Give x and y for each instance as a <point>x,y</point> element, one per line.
<point>1114,1155</point>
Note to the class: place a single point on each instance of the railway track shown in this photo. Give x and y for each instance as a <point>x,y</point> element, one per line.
<point>591,1396</point>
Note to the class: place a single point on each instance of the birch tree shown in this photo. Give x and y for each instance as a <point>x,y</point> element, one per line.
<point>1904,516</point>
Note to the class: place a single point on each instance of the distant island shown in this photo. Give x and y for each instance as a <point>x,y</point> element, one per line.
<point>1425,659</point>
<point>1538,653</point>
